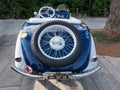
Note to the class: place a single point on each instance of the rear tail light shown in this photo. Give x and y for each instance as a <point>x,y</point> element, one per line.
<point>28,69</point>
<point>94,59</point>
<point>18,59</point>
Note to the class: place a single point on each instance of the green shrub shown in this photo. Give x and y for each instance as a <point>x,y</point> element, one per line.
<point>25,8</point>
<point>100,8</point>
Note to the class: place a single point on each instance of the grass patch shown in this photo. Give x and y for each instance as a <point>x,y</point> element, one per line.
<point>103,38</point>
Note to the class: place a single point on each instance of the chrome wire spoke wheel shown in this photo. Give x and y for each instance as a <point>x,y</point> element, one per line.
<point>57,42</point>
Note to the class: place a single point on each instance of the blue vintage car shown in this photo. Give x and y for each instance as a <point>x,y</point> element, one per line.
<point>55,45</point>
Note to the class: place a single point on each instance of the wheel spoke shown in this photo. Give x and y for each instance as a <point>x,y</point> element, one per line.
<point>49,35</point>
<point>64,51</point>
<point>43,44</point>
<point>65,35</point>
<point>49,53</point>
<point>68,48</point>
<point>61,33</point>
<point>52,40</point>
<point>67,38</point>
<point>59,54</point>
<point>55,54</point>
<point>47,50</point>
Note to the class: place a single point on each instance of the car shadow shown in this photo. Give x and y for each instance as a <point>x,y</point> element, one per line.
<point>50,85</point>
<point>86,83</point>
<point>61,84</point>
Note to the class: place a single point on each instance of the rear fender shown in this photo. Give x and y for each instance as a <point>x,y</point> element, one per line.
<point>92,64</point>
<point>18,53</point>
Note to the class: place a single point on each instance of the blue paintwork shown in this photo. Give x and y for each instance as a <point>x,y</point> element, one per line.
<point>80,64</point>
<point>62,14</point>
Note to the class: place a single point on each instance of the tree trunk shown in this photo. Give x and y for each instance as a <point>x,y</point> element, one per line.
<point>89,6</point>
<point>113,23</point>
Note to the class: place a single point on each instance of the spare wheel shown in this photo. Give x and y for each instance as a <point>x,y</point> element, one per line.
<point>56,44</point>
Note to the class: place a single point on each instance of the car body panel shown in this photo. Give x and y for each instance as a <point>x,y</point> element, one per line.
<point>77,66</point>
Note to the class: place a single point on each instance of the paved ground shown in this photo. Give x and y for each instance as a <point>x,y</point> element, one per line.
<point>95,22</point>
<point>107,78</point>
<point>14,25</point>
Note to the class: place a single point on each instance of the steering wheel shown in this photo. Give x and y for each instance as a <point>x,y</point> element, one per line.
<point>46,12</point>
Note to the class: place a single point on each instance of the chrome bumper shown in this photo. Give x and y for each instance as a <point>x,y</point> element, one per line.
<point>80,75</point>
<point>27,74</point>
<point>43,77</point>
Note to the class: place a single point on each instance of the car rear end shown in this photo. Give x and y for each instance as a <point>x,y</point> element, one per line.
<point>26,62</point>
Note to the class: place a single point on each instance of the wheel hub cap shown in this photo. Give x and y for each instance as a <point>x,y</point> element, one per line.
<point>57,43</point>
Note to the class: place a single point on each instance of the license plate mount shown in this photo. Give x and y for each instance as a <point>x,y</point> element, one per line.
<point>56,76</point>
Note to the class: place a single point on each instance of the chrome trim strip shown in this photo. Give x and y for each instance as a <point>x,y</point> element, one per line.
<point>58,72</point>
<point>76,76</point>
<point>27,74</point>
